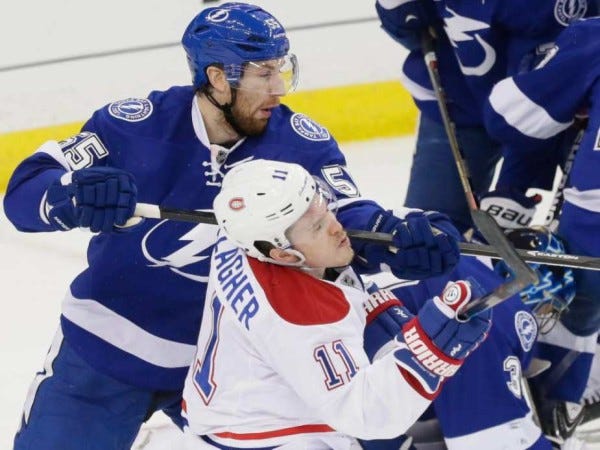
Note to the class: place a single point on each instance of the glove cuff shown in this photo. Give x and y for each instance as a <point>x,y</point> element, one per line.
<point>378,302</point>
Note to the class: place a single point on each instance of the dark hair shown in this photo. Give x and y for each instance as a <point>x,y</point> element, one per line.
<point>264,247</point>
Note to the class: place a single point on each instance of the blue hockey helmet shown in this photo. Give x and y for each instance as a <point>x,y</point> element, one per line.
<point>556,287</point>
<point>232,35</point>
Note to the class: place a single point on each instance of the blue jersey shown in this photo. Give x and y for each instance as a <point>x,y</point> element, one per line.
<point>480,43</point>
<point>487,390</point>
<point>135,311</point>
<point>529,112</point>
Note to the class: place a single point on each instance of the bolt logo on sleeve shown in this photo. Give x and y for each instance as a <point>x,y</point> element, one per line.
<point>131,109</point>
<point>566,11</point>
<point>308,128</point>
<point>526,328</point>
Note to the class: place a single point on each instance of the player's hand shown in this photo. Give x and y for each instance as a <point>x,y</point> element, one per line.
<point>510,207</point>
<point>434,343</point>
<point>97,198</point>
<point>438,318</point>
<point>426,245</point>
<point>403,20</point>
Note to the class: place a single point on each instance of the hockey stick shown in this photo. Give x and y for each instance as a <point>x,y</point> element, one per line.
<point>485,223</point>
<point>551,221</point>
<point>576,261</point>
<point>470,249</point>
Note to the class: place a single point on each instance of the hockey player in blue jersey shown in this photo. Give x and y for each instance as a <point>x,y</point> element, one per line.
<point>529,113</point>
<point>477,44</point>
<point>130,320</point>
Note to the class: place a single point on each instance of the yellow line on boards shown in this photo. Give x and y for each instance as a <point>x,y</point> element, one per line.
<point>350,113</point>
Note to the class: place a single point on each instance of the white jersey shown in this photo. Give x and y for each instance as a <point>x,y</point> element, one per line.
<point>280,361</point>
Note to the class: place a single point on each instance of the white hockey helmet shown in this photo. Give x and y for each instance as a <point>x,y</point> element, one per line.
<point>261,199</point>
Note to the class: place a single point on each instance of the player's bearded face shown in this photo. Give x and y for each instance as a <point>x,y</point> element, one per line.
<point>258,93</point>
<point>321,238</point>
<point>252,110</point>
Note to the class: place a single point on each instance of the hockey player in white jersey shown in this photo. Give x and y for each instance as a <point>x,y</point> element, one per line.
<point>280,359</point>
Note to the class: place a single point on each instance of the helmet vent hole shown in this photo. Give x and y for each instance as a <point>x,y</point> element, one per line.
<point>288,209</point>
<point>255,38</point>
<point>248,48</point>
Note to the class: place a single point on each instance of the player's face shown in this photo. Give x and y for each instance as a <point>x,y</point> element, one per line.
<point>321,238</point>
<point>259,91</point>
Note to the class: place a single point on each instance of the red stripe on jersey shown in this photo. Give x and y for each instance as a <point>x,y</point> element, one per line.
<point>276,433</point>
<point>298,297</point>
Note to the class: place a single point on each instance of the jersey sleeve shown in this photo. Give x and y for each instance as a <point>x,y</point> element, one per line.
<point>526,110</point>
<point>25,200</point>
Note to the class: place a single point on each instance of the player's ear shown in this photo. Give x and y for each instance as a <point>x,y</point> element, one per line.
<point>216,77</point>
<point>283,256</point>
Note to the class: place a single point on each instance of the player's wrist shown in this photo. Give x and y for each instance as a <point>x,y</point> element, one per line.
<point>385,315</point>
<point>378,302</point>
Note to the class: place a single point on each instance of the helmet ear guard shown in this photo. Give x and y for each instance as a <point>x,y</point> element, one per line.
<point>260,200</point>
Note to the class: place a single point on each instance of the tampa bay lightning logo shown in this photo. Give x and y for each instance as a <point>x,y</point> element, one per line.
<point>182,247</point>
<point>566,11</point>
<point>527,329</point>
<point>218,15</point>
<point>308,128</point>
<point>476,56</point>
<point>131,109</point>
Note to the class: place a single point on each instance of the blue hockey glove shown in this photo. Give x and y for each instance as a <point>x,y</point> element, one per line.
<point>434,343</point>
<point>403,20</point>
<point>556,289</point>
<point>510,207</point>
<point>97,198</point>
<point>422,252</point>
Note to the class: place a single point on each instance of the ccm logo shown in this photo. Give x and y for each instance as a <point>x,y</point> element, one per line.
<point>237,203</point>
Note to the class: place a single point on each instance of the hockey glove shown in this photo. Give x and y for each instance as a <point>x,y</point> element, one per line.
<point>510,207</point>
<point>419,251</point>
<point>434,343</point>
<point>97,198</point>
<point>403,20</point>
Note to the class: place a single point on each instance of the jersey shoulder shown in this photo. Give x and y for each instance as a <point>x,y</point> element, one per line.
<point>164,114</point>
<point>297,129</point>
<point>300,298</point>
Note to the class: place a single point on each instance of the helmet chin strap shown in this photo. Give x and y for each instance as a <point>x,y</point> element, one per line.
<point>226,109</point>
